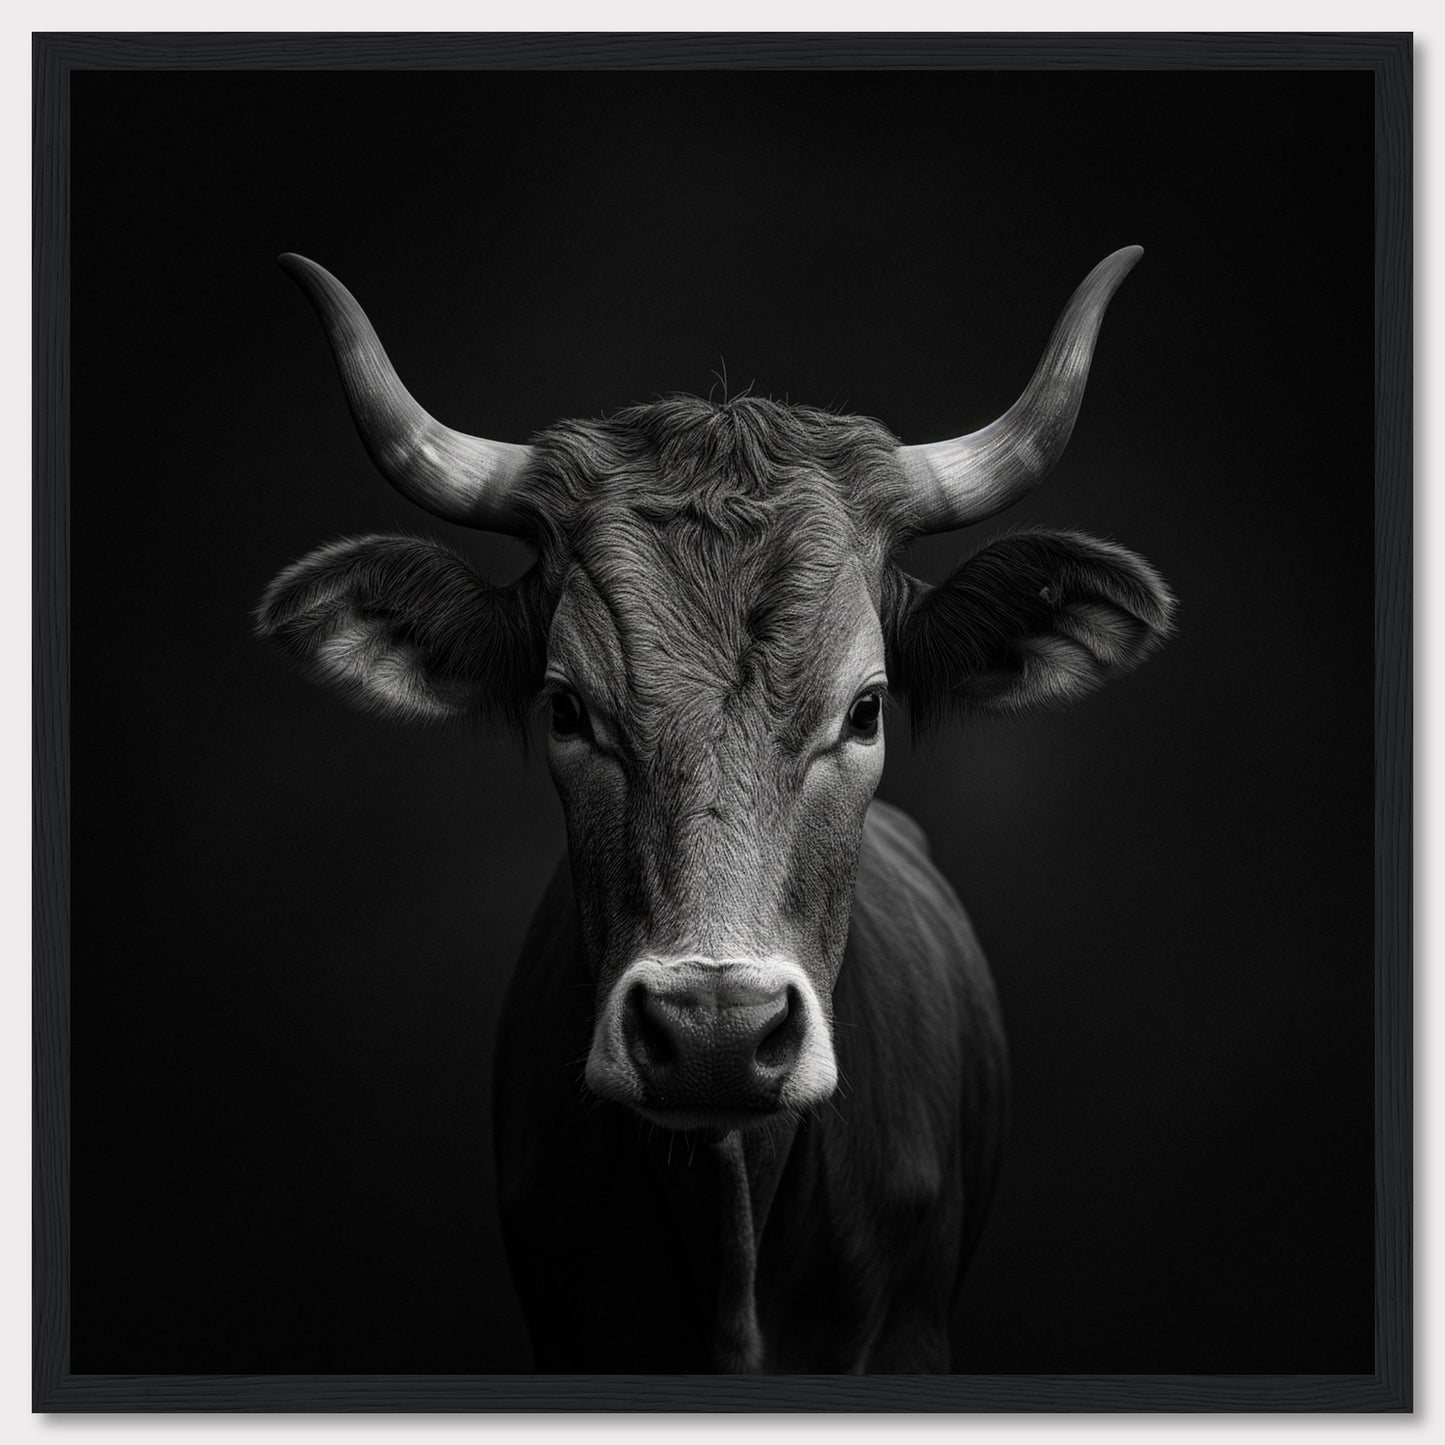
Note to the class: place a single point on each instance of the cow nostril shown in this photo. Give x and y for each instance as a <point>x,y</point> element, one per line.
<point>652,1043</point>
<point>779,1046</point>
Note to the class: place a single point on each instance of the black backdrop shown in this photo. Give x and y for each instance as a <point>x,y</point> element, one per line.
<point>293,924</point>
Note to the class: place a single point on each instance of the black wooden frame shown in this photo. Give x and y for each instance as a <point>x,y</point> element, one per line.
<point>1388,57</point>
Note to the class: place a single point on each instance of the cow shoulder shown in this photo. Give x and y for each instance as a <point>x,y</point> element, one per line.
<point>919,1021</point>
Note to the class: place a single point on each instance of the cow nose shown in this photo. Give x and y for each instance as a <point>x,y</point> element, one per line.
<point>708,1041</point>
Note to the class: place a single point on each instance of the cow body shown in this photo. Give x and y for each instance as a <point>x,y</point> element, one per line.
<point>861,1215</point>
<point>750,1075</point>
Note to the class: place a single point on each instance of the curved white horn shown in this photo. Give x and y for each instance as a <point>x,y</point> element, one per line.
<point>971,477</point>
<point>462,478</point>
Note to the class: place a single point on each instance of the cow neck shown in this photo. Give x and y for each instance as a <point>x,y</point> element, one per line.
<point>748,1173</point>
<point>737,1342</point>
<point>721,1212</point>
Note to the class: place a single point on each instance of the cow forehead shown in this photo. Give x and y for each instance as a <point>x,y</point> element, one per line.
<point>775,631</point>
<point>711,555</point>
<point>732,471</point>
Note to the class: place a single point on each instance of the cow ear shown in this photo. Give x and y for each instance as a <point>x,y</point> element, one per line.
<point>1033,619</point>
<point>404,627</point>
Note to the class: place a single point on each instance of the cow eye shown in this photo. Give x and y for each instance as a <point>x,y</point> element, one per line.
<point>864,714</point>
<point>569,717</point>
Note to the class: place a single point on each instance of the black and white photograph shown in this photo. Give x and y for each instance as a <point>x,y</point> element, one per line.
<point>723,723</point>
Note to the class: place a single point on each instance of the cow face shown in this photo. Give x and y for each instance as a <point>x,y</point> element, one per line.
<point>713,624</point>
<point>715,677</point>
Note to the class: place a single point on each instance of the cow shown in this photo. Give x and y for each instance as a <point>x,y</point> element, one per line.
<point>751,1077</point>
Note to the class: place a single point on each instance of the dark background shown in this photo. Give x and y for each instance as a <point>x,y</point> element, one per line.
<point>293,924</point>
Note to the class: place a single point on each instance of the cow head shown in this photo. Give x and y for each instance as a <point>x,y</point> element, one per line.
<point>714,624</point>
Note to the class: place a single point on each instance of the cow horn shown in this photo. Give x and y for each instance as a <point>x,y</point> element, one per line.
<point>956,482</point>
<point>462,478</point>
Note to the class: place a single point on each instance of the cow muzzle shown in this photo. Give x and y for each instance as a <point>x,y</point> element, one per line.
<point>695,1043</point>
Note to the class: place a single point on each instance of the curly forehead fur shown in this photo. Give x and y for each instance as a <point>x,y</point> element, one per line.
<point>716,475</point>
<point>716,536</point>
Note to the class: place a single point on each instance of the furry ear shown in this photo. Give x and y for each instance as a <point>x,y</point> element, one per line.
<point>1032,619</point>
<point>405,627</point>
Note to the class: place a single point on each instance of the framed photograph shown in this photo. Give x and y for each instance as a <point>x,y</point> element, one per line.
<point>483,960</point>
